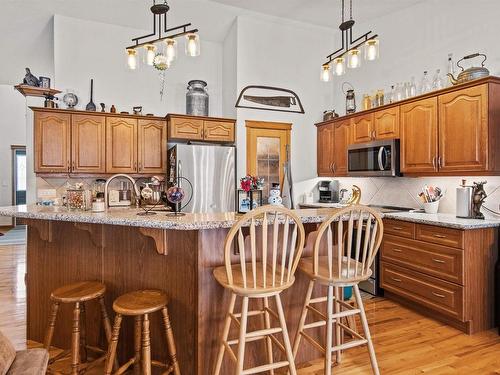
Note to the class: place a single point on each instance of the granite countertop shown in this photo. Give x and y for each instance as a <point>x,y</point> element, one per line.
<point>440,219</point>
<point>197,221</point>
<point>129,217</point>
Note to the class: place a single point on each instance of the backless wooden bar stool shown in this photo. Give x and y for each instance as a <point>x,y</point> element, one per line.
<point>264,270</point>
<point>352,238</point>
<point>140,304</point>
<point>77,294</point>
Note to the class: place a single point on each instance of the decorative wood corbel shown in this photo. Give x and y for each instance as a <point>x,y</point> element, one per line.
<point>159,236</point>
<point>43,227</point>
<point>95,232</point>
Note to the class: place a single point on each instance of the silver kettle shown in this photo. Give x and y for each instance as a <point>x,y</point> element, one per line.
<point>471,73</point>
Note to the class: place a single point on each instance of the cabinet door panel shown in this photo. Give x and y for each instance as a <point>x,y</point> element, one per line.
<point>362,128</point>
<point>218,131</point>
<point>52,142</point>
<point>463,129</point>
<point>386,123</point>
<point>419,136</point>
<point>325,144</point>
<point>121,145</point>
<point>182,128</point>
<point>88,144</point>
<point>341,142</point>
<point>152,146</point>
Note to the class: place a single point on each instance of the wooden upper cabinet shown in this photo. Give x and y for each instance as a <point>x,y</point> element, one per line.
<point>341,142</point>
<point>463,130</point>
<point>88,146</point>
<point>386,123</point>
<point>52,135</point>
<point>325,153</point>
<point>152,146</point>
<point>185,128</point>
<point>362,128</point>
<point>419,136</point>
<point>220,131</point>
<point>121,145</point>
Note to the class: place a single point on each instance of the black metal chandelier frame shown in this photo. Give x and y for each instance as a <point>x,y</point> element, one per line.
<point>348,44</point>
<point>160,25</point>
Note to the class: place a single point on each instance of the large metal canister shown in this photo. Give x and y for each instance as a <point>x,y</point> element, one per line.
<point>197,98</point>
<point>464,201</point>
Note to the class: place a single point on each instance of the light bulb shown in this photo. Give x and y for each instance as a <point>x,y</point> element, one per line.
<point>326,74</point>
<point>171,50</point>
<point>339,66</point>
<point>150,53</point>
<point>192,45</point>
<point>353,59</point>
<point>371,50</point>
<point>132,58</point>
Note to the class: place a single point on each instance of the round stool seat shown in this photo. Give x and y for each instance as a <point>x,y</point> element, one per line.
<point>140,302</point>
<point>78,292</point>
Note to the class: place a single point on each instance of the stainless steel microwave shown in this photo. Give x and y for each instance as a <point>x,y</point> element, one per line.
<point>377,158</point>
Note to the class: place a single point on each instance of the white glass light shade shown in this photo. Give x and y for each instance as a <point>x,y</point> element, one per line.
<point>354,59</point>
<point>326,73</point>
<point>192,44</point>
<point>150,52</point>
<point>171,49</point>
<point>371,50</point>
<point>339,66</point>
<point>132,59</point>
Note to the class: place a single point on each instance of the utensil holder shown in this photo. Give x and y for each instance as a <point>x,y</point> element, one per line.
<point>431,207</point>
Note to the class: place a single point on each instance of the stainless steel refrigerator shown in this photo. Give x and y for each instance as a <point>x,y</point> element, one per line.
<point>211,169</point>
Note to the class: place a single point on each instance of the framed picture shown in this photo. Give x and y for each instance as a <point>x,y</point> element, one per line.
<point>247,201</point>
<point>45,82</point>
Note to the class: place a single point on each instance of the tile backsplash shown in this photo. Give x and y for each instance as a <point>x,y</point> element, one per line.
<point>403,191</point>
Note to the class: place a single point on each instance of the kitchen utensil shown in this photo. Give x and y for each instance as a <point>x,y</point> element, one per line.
<point>470,73</point>
<point>431,207</point>
<point>91,106</point>
<point>464,201</point>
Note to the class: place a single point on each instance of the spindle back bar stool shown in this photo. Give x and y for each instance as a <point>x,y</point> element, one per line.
<point>266,266</point>
<point>352,237</point>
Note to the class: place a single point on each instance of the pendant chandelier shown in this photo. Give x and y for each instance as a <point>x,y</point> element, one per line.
<point>350,53</point>
<point>159,49</point>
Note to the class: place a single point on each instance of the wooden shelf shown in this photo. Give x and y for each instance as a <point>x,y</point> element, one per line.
<point>27,90</point>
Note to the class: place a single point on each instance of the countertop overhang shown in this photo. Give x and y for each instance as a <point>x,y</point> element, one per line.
<point>198,221</point>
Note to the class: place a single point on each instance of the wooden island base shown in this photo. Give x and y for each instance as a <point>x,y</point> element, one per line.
<point>128,258</point>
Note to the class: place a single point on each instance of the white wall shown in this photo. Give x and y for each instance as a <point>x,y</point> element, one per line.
<point>280,53</point>
<point>13,132</point>
<point>230,71</point>
<point>86,49</point>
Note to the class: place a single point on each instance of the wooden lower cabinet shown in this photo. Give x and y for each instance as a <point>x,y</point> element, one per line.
<point>151,146</point>
<point>445,273</point>
<point>121,145</point>
<point>88,146</point>
<point>52,142</point>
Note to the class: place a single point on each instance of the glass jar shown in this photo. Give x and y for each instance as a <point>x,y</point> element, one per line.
<point>75,199</point>
<point>380,98</point>
<point>367,102</point>
<point>197,98</point>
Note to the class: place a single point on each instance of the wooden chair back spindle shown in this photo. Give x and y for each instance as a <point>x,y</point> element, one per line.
<point>280,234</point>
<point>353,237</point>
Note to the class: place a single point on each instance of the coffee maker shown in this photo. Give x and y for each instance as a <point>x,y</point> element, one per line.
<point>328,191</point>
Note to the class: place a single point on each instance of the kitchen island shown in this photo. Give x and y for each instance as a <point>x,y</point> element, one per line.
<point>129,252</point>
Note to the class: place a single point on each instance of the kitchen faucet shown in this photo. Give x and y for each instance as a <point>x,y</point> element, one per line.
<point>136,189</point>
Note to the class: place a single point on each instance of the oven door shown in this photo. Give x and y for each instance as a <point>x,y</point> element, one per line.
<point>379,158</point>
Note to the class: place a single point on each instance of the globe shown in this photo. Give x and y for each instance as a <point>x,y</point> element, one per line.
<point>175,194</point>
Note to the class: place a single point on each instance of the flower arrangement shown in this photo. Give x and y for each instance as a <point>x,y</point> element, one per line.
<point>249,182</point>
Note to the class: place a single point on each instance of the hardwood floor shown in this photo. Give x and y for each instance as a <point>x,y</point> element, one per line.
<point>406,342</point>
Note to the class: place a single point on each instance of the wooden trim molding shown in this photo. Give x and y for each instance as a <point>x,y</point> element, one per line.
<point>43,227</point>
<point>268,125</point>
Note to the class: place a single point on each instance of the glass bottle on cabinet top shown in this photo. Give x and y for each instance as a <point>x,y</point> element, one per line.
<point>413,87</point>
<point>398,93</point>
<point>437,81</point>
<point>425,84</point>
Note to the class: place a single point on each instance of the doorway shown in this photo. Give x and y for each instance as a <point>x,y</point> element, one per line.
<point>268,147</point>
<point>18,175</point>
